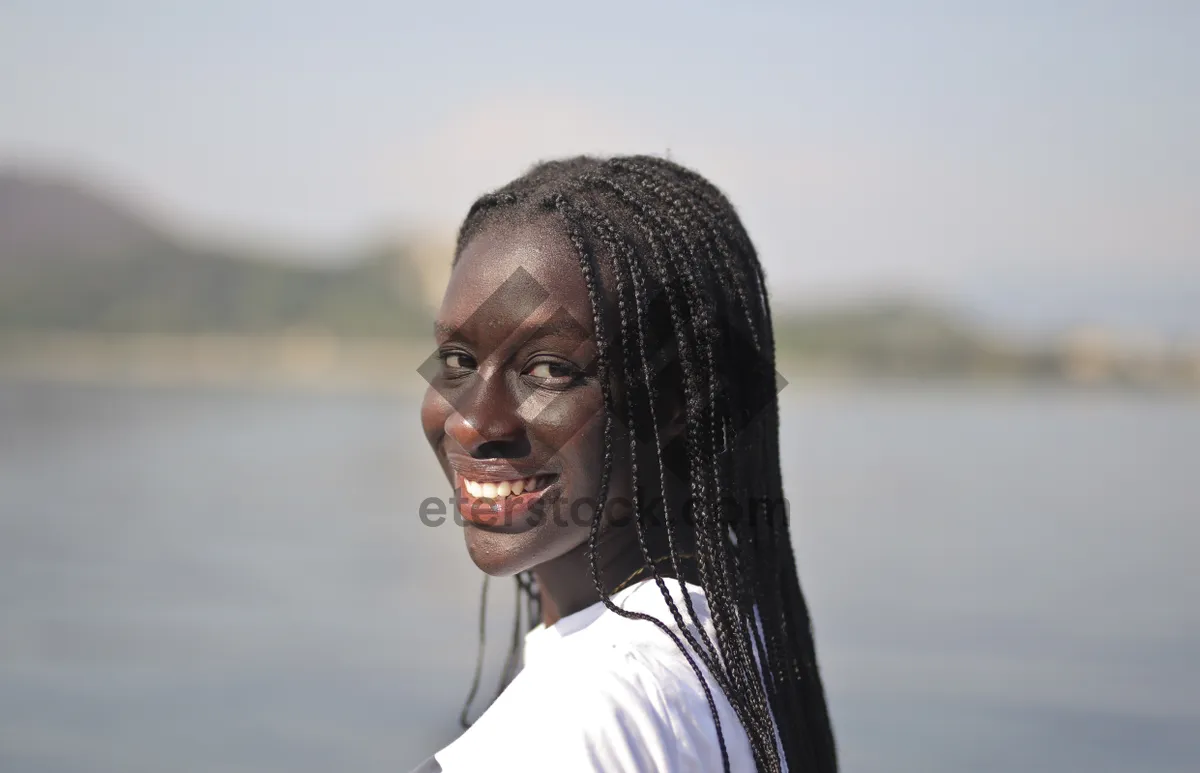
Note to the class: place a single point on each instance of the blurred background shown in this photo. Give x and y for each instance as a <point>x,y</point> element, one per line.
<point>224,227</point>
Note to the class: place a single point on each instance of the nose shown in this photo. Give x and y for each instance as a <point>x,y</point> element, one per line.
<point>486,422</point>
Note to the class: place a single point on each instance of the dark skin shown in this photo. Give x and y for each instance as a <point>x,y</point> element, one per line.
<point>519,390</point>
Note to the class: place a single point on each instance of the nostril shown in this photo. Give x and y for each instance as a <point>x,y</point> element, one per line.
<point>503,449</point>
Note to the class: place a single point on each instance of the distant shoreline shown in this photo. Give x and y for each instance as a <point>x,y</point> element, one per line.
<point>390,365</point>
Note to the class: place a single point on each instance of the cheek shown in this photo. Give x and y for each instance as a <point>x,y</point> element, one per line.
<point>568,428</point>
<point>434,412</point>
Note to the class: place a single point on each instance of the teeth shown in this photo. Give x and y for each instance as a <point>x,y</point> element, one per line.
<point>493,490</point>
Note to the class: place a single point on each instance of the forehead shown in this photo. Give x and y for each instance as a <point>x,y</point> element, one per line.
<point>511,275</point>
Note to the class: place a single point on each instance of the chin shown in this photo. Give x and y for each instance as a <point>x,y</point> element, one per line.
<point>502,554</point>
<point>495,553</point>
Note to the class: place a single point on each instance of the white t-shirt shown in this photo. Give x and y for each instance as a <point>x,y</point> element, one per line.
<point>600,692</point>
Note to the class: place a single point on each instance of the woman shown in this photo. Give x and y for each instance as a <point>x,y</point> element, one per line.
<point>604,403</point>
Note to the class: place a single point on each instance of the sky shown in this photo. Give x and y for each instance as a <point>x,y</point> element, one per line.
<point>1037,162</point>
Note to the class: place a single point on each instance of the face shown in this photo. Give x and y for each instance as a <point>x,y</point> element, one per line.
<point>514,412</point>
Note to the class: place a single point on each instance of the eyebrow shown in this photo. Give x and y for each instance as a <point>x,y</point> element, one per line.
<point>443,331</point>
<point>561,325</point>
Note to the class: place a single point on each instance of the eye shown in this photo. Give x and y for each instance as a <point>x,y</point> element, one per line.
<point>457,361</point>
<point>553,373</point>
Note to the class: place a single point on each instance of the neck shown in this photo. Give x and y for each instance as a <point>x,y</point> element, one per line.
<point>566,582</point>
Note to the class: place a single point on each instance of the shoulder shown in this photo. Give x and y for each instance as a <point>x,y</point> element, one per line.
<point>620,710</point>
<point>611,708</point>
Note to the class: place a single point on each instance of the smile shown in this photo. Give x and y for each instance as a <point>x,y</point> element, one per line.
<point>501,504</point>
<point>492,489</point>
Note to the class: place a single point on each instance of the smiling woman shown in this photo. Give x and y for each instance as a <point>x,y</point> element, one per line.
<point>605,408</point>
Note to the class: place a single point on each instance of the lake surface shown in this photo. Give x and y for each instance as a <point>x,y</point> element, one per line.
<point>218,580</point>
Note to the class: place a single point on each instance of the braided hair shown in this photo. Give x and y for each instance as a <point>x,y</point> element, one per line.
<point>686,279</point>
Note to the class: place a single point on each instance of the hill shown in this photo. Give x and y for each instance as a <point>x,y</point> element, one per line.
<point>898,336</point>
<point>74,258</point>
<point>47,218</point>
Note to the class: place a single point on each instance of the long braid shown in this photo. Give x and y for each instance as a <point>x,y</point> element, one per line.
<point>463,721</point>
<point>652,185</point>
<point>789,697</point>
<point>706,654</point>
<point>587,264</point>
<point>755,723</point>
<point>621,248</point>
<point>743,667</point>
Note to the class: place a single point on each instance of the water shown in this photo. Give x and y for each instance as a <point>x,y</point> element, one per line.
<point>237,581</point>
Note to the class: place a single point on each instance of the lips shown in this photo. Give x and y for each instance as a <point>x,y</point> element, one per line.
<point>500,512</point>
<point>496,493</point>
